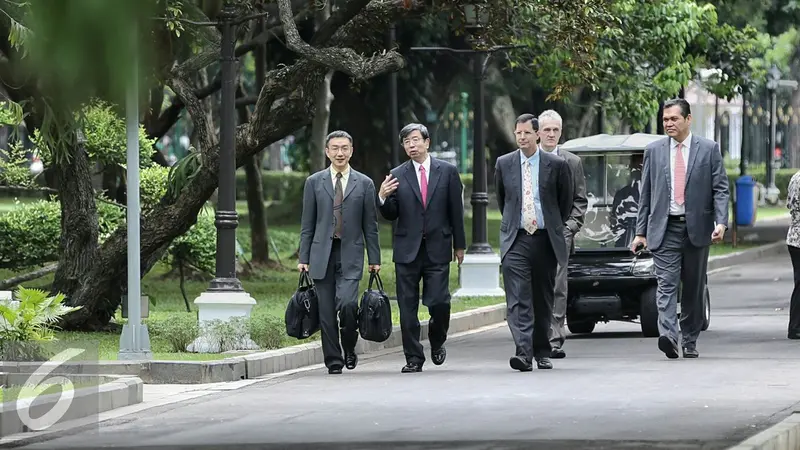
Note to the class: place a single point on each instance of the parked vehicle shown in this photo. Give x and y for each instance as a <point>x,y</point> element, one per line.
<point>606,280</point>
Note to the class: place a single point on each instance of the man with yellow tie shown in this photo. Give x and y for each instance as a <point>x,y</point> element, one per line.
<point>683,209</point>
<point>534,193</point>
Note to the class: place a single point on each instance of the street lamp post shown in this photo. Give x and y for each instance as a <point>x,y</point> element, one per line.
<point>134,341</point>
<point>480,271</point>
<point>774,81</point>
<point>225,298</point>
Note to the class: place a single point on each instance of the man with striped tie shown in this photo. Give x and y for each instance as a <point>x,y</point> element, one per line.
<point>683,209</point>
<point>339,220</point>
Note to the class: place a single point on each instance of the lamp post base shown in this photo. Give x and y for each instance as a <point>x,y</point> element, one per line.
<point>480,276</point>
<point>221,306</point>
<point>134,343</point>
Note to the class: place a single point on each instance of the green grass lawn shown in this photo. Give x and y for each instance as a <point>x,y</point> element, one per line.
<point>271,288</point>
<point>14,393</point>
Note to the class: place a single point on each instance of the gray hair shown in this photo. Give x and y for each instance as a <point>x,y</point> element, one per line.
<point>412,127</point>
<point>551,115</point>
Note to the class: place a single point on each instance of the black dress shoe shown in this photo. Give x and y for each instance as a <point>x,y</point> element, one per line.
<point>668,346</point>
<point>793,335</point>
<point>350,360</point>
<point>543,363</point>
<point>557,353</point>
<point>335,370</point>
<point>411,368</point>
<point>519,363</point>
<point>438,355</point>
<point>690,351</point>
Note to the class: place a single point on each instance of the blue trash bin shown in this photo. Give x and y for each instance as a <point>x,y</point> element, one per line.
<point>745,201</point>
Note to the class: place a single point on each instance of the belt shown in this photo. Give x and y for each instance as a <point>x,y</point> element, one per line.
<point>539,231</point>
<point>679,218</point>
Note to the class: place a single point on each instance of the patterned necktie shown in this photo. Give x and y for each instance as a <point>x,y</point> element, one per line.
<point>528,209</point>
<point>423,186</point>
<point>680,175</point>
<point>337,207</point>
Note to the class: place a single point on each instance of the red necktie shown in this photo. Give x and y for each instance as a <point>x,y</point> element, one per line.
<point>423,186</point>
<point>680,175</point>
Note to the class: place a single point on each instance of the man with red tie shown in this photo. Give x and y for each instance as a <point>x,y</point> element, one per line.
<point>683,209</point>
<point>424,197</point>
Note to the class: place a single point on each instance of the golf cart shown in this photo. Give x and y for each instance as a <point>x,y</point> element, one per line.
<point>606,280</point>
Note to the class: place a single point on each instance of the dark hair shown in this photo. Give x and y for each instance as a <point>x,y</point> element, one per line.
<point>528,118</point>
<point>682,103</point>
<point>412,127</point>
<point>338,134</point>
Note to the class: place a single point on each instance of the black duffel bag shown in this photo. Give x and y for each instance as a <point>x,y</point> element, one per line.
<point>302,312</point>
<point>375,312</point>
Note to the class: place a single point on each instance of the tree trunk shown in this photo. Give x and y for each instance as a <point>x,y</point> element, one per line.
<point>79,232</point>
<point>257,214</point>
<point>319,125</point>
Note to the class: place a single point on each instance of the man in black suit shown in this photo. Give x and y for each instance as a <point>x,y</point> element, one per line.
<point>424,196</point>
<point>534,193</point>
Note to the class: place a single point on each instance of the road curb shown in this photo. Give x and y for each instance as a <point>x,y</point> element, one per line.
<point>784,435</point>
<point>744,256</point>
<point>113,392</point>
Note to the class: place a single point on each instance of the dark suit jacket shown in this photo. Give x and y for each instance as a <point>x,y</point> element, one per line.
<point>555,194</point>
<point>442,221</point>
<point>706,192</point>
<point>359,218</point>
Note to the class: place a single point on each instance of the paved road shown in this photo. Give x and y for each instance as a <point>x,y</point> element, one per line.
<point>615,390</point>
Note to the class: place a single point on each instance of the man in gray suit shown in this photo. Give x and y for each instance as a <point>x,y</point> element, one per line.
<point>534,193</point>
<point>550,126</point>
<point>339,218</point>
<point>683,209</point>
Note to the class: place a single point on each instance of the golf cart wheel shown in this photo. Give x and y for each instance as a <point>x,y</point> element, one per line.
<point>648,312</point>
<point>706,310</point>
<point>583,326</point>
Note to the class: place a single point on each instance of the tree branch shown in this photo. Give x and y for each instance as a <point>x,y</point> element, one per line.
<point>338,18</point>
<point>345,60</point>
<point>38,273</point>
<point>184,91</point>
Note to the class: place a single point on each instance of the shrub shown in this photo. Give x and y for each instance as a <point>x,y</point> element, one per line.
<point>152,185</point>
<point>265,330</point>
<point>27,321</point>
<point>176,330</point>
<point>198,246</point>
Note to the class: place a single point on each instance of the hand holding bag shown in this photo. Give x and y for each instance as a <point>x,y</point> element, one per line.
<point>302,312</point>
<point>375,312</point>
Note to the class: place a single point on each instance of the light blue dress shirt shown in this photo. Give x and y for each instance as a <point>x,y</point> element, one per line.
<point>537,204</point>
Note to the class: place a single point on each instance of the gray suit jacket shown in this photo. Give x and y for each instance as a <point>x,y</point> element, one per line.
<point>360,224</point>
<point>706,192</point>
<point>579,200</point>
<point>555,192</point>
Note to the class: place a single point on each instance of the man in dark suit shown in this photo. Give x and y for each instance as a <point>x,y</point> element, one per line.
<point>339,217</point>
<point>424,196</point>
<point>550,125</point>
<point>683,209</point>
<point>534,193</point>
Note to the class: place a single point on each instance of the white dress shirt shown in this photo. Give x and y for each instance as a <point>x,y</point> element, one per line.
<point>674,208</point>
<point>427,165</point>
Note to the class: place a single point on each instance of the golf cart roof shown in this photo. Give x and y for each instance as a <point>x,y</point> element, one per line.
<point>610,142</point>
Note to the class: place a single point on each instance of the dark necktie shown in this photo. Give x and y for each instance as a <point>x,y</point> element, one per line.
<point>337,207</point>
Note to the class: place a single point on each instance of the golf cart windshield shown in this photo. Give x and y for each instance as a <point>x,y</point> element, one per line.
<point>612,189</point>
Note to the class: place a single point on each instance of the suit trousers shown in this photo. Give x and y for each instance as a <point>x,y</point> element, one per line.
<point>338,309</point>
<point>678,261</point>
<point>794,306</point>
<point>435,280</point>
<point>557,333</point>
<point>529,272</point>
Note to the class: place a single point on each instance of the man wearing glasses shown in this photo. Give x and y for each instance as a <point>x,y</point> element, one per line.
<point>424,197</point>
